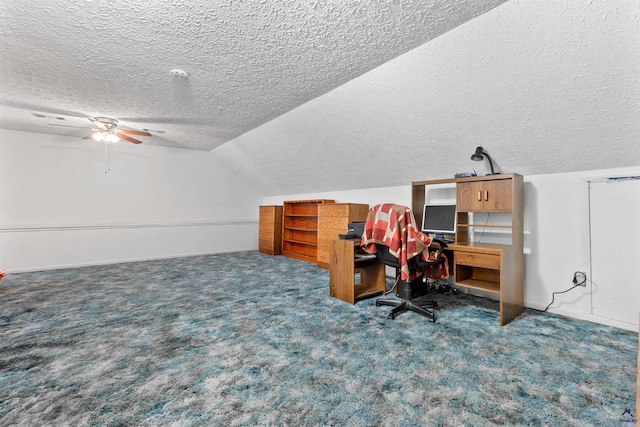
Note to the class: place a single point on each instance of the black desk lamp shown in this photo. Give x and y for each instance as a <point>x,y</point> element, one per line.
<point>479,156</point>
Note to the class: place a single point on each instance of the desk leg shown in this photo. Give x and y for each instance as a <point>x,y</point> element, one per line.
<point>341,271</point>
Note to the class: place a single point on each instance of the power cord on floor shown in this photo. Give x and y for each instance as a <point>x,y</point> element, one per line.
<point>469,294</point>
<point>579,279</point>
<point>395,283</point>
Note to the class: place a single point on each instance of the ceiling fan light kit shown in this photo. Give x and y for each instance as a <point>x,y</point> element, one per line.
<point>106,131</point>
<point>106,122</point>
<point>106,137</point>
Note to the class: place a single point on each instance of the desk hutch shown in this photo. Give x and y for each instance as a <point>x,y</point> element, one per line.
<point>494,268</point>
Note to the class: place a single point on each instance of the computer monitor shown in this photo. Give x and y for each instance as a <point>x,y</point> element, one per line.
<point>439,219</point>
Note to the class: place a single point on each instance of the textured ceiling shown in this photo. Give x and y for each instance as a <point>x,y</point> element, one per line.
<point>548,86</point>
<point>248,61</point>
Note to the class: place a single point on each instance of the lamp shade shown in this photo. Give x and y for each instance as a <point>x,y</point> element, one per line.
<point>479,155</point>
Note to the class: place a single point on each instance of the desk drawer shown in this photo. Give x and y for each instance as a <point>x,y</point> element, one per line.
<point>477,260</point>
<point>324,256</point>
<point>333,210</point>
<point>329,233</point>
<point>323,244</point>
<point>333,222</point>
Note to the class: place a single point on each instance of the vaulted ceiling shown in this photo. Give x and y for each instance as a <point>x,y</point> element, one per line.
<point>248,61</point>
<point>545,87</point>
<point>301,96</point>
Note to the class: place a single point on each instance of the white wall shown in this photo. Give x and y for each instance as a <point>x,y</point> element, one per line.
<point>58,207</point>
<point>556,224</point>
<point>372,196</point>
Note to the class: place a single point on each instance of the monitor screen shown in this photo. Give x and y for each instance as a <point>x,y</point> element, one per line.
<point>439,219</point>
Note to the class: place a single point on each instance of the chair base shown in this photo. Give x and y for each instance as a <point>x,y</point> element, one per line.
<point>402,305</point>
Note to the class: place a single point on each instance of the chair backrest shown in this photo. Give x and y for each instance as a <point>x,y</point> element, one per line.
<point>385,257</point>
<point>394,226</point>
<point>392,235</point>
<point>415,263</point>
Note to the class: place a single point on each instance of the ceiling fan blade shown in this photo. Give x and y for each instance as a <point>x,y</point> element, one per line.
<point>55,112</point>
<point>68,126</point>
<point>128,138</point>
<point>133,132</point>
<point>90,136</point>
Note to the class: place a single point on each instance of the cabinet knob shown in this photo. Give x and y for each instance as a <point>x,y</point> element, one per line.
<point>486,195</point>
<point>479,196</point>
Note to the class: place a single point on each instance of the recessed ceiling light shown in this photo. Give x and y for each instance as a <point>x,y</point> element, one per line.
<point>179,73</point>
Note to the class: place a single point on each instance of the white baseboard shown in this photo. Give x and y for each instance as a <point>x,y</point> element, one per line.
<point>94,264</point>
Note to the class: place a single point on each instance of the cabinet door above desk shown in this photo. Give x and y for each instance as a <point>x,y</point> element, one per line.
<point>485,196</point>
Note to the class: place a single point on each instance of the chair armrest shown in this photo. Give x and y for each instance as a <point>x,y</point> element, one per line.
<point>442,244</point>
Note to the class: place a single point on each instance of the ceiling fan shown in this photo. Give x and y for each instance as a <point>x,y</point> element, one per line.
<point>107,131</point>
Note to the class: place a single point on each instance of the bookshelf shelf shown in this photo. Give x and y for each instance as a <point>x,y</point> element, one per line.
<point>300,229</point>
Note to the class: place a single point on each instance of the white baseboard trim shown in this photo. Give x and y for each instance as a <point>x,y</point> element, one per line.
<point>600,320</point>
<point>44,227</point>
<point>587,317</point>
<point>94,264</point>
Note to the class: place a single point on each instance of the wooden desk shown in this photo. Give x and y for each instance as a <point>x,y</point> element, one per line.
<point>494,268</point>
<point>343,267</point>
<point>491,268</point>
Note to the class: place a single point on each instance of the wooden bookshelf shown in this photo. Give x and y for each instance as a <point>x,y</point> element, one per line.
<point>300,229</point>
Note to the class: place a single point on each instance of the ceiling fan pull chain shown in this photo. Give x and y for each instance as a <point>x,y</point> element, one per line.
<point>106,155</point>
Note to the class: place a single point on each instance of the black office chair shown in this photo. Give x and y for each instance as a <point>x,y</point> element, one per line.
<point>391,232</point>
<point>410,293</point>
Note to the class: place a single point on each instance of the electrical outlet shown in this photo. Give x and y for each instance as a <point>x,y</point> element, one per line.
<point>579,278</point>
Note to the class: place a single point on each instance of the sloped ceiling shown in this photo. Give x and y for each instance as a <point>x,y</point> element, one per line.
<point>305,96</point>
<point>544,86</point>
<point>249,61</point>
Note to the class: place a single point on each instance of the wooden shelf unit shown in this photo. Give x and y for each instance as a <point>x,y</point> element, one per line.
<point>270,230</point>
<point>300,229</point>
<point>334,219</point>
<point>494,268</point>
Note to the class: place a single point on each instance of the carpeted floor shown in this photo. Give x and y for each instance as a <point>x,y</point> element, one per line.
<point>248,339</point>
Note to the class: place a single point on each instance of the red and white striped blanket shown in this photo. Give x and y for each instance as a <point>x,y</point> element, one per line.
<point>394,226</point>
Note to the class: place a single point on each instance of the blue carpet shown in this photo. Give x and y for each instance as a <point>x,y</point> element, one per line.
<point>249,339</point>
